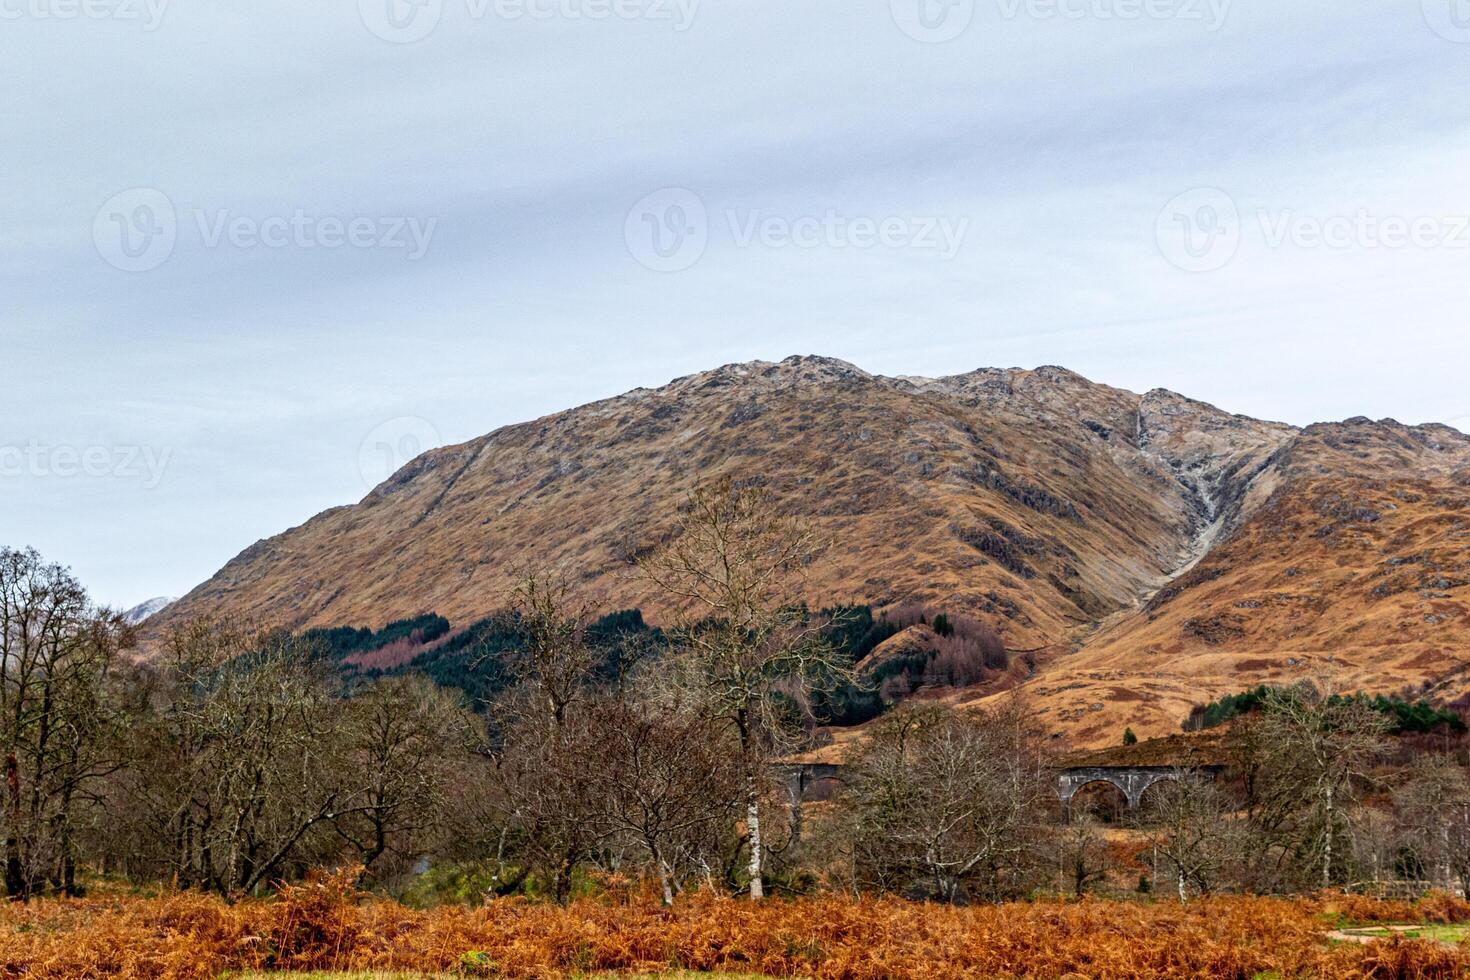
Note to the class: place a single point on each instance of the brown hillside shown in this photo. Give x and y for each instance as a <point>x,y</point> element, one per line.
<point>1354,571</point>
<point>1047,506</point>
<point>1022,496</point>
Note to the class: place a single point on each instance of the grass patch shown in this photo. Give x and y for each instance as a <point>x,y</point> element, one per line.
<point>1438,933</point>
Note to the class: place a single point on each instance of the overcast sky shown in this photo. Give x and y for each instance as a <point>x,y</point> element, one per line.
<point>253,253</point>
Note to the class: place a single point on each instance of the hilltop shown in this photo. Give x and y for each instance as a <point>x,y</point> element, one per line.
<point>1145,551</point>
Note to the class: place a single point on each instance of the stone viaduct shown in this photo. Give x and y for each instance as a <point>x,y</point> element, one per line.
<point>1131,768</point>
<point>1133,781</point>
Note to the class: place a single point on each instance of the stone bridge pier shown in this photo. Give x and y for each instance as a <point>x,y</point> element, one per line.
<point>809,780</point>
<point>805,782</point>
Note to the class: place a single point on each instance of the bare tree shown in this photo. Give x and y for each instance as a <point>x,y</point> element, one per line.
<point>668,784</point>
<point>252,766</point>
<point>547,790</point>
<point>948,804</point>
<point>1379,845</point>
<point>545,772</point>
<point>405,740</point>
<point>1321,744</point>
<point>56,731</point>
<point>1271,803</point>
<point>1081,854</point>
<point>557,661</point>
<point>1193,829</point>
<point>733,568</point>
<point>1433,810</point>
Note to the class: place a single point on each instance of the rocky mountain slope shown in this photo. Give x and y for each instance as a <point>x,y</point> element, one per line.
<point>1354,569</point>
<point>1110,534</point>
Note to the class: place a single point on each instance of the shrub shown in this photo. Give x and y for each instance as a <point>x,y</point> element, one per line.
<point>1404,716</point>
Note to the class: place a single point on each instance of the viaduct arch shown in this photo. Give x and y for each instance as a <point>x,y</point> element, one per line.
<point>1133,781</point>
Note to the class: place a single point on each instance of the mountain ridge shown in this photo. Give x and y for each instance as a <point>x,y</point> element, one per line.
<point>1049,506</point>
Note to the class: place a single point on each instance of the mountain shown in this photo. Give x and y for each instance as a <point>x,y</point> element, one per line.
<point>1144,551</point>
<point>1350,562</point>
<point>144,610</point>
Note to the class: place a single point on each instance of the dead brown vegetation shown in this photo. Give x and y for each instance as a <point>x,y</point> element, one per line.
<point>326,925</point>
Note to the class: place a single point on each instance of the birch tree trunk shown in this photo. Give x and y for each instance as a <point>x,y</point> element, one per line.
<point>753,829</point>
<point>1327,846</point>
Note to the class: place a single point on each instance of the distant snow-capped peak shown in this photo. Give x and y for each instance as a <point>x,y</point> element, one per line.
<point>143,610</point>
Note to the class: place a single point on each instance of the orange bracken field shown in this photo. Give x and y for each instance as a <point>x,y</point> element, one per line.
<point>326,926</point>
